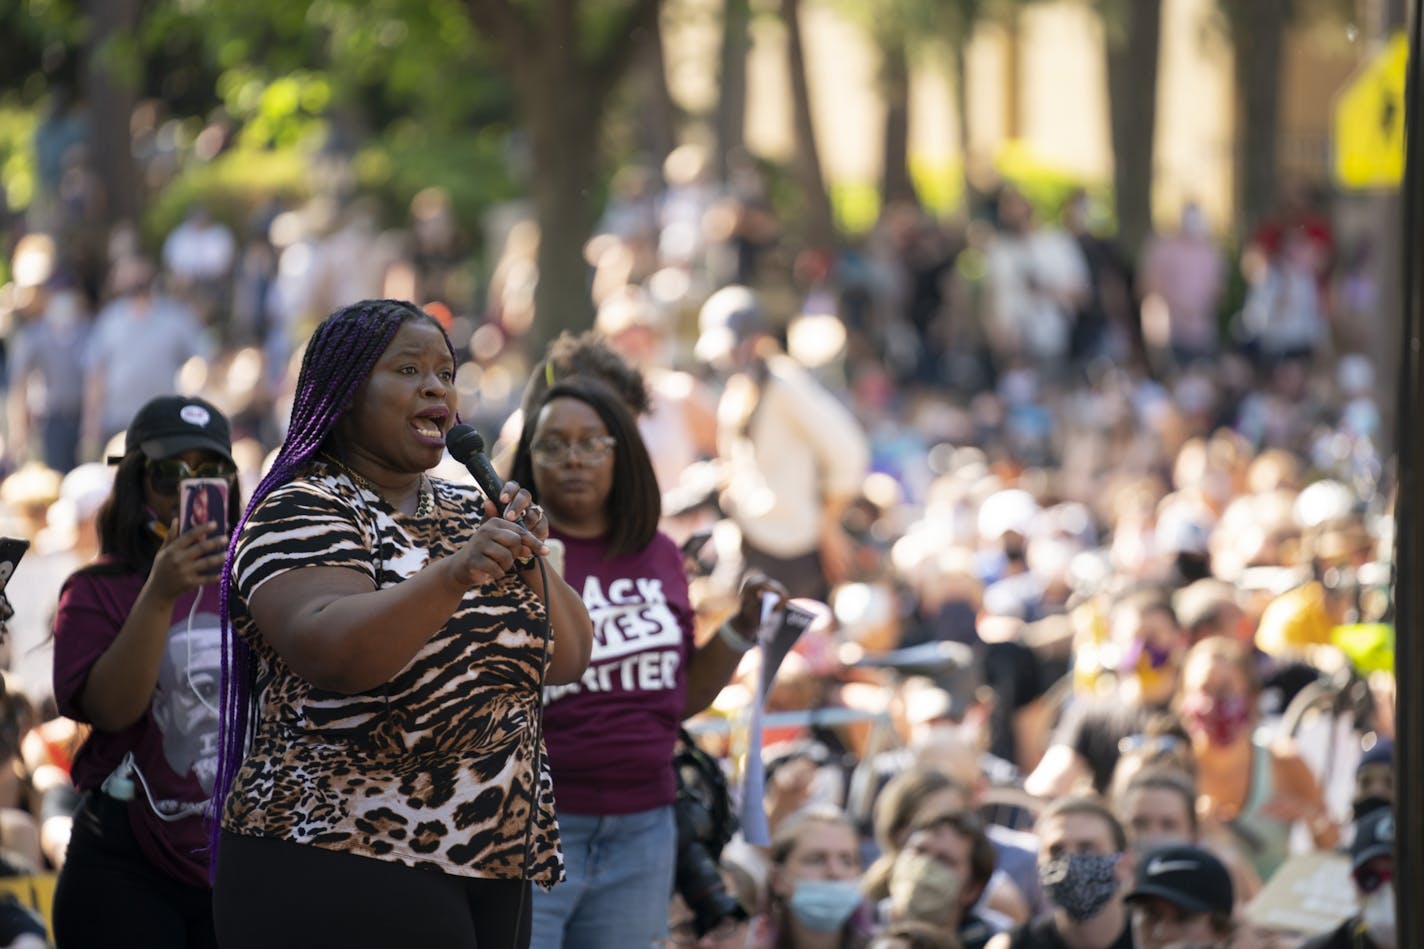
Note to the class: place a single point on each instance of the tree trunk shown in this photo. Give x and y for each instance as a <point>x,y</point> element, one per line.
<point>1133,44</point>
<point>657,119</point>
<point>110,96</point>
<point>732,101</point>
<point>563,124</point>
<point>959,67</point>
<point>895,181</point>
<point>1258,33</point>
<point>817,221</point>
<point>562,87</point>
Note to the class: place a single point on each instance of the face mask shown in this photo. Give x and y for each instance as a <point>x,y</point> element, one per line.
<point>1377,913</point>
<point>923,888</point>
<point>1081,883</point>
<point>824,905</point>
<point>1222,719</point>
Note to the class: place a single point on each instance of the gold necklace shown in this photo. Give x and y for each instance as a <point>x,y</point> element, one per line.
<point>423,508</point>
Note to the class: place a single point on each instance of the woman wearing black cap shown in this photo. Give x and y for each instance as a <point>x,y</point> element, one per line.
<point>137,656</point>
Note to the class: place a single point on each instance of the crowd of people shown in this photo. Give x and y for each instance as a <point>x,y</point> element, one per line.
<point>1096,554</point>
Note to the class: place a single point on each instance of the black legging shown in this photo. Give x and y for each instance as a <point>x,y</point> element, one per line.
<point>109,894</point>
<point>275,894</point>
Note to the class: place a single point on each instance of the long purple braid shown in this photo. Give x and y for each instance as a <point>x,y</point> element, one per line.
<point>338,359</point>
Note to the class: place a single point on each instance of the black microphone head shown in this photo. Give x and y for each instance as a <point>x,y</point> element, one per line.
<point>464,442</point>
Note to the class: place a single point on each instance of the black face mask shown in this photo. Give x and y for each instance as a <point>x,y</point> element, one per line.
<point>1365,805</point>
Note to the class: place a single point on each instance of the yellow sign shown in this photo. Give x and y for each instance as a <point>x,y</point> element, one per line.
<point>35,891</point>
<point>1369,122</point>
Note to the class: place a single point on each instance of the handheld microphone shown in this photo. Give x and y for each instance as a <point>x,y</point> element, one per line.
<point>467,446</point>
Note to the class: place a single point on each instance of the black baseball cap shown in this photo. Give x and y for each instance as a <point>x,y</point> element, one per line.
<point>1374,837</point>
<point>1187,877</point>
<point>172,424</point>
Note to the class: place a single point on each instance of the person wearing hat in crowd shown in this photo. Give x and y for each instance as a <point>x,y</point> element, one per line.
<point>137,858</point>
<point>1182,897</point>
<point>794,457</point>
<point>1372,872</point>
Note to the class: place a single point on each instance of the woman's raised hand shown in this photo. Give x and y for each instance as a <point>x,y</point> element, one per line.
<point>187,561</point>
<point>501,539</point>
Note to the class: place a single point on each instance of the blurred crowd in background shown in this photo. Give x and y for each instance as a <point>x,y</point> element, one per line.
<point>1124,525</point>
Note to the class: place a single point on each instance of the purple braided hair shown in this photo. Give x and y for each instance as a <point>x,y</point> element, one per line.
<point>338,359</point>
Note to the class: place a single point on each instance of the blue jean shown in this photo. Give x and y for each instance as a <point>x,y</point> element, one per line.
<point>620,875</point>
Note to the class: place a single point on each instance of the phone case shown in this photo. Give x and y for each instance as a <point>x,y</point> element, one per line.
<point>11,550</point>
<point>202,500</point>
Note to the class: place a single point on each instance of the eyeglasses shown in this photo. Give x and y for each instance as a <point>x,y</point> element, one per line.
<point>556,451</point>
<point>1369,879</point>
<point>165,474</point>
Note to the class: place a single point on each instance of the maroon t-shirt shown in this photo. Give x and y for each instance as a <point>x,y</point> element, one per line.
<point>611,734</point>
<point>175,742</point>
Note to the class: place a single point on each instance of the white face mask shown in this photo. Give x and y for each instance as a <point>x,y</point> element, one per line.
<point>1377,913</point>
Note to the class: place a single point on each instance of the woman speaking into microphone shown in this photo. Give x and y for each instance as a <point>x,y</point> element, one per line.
<point>382,781</point>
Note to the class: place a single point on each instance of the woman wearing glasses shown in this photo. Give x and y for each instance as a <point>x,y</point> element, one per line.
<point>137,657</point>
<point>611,734</point>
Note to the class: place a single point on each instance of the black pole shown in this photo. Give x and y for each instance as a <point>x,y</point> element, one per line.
<point>1409,559</point>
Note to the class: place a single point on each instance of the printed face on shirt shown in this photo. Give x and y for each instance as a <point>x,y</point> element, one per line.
<point>404,408</point>
<point>185,701</point>
<point>573,467</point>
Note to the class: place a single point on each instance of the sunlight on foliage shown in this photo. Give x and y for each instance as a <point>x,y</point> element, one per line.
<point>17,156</point>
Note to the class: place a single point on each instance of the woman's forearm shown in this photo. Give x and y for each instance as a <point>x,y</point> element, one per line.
<point>121,682</point>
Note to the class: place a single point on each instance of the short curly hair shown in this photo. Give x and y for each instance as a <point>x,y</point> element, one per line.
<point>587,354</point>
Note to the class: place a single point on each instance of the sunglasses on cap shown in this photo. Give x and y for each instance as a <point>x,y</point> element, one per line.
<point>164,474</point>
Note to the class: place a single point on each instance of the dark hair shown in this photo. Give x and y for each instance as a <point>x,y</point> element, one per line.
<point>338,359</point>
<point>634,498</point>
<point>123,518</point>
<point>982,859</point>
<point>584,355</point>
<point>903,795</point>
<point>1089,804</point>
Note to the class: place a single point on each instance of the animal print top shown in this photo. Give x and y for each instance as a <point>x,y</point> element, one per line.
<point>431,770</point>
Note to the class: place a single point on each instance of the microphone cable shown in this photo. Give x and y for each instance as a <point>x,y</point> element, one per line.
<point>536,779</point>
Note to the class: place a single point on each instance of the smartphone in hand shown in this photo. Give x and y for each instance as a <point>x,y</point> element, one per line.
<point>11,550</point>
<point>203,501</point>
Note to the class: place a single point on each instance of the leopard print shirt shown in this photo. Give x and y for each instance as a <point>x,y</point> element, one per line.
<point>432,770</point>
